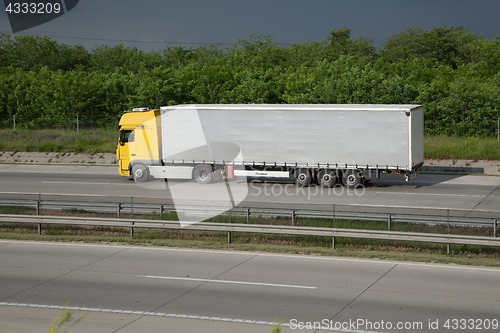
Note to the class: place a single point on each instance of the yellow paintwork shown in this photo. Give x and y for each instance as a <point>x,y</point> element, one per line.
<point>145,145</point>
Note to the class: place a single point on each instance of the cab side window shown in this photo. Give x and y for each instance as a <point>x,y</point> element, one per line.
<point>127,136</point>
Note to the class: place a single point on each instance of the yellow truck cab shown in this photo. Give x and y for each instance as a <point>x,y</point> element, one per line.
<point>138,142</point>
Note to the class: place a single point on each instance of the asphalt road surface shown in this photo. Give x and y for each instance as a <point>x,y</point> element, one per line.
<point>471,195</point>
<point>144,289</point>
<point>132,289</point>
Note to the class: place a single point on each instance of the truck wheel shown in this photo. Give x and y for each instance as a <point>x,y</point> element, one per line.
<point>203,174</point>
<point>140,173</point>
<point>327,178</point>
<point>352,178</point>
<point>303,177</point>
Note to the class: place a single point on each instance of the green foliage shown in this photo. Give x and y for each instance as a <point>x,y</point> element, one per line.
<point>65,317</point>
<point>340,43</point>
<point>454,73</point>
<point>450,46</point>
<point>276,328</point>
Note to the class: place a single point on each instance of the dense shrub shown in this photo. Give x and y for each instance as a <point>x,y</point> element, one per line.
<point>454,73</point>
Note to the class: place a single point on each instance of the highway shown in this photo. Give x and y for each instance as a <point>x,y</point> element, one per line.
<point>131,289</point>
<point>146,289</point>
<point>471,195</point>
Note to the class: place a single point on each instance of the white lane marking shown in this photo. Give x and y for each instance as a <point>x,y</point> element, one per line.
<point>217,252</point>
<point>463,268</point>
<point>228,282</point>
<point>440,208</point>
<point>432,194</point>
<point>59,172</point>
<point>422,207</point>
<point>136,313</point>
<point>259,254</point>
<point>84,183</point>
<point>167,315</point>
<point>58,194</point>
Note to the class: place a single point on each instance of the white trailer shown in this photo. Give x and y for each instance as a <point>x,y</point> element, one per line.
<point>326,143</point>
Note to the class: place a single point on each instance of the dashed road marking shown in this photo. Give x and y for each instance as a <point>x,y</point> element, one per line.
<point>168,315</point>
<point>229,282</point>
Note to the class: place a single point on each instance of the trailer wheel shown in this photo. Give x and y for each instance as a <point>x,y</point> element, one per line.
<point>352,178</point>
<point>327,178</point>
<point>140,173</point>
<point>303,177</point>
<point>203,174</point>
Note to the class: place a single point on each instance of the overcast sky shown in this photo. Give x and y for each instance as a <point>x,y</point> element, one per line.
<point>154,24</point>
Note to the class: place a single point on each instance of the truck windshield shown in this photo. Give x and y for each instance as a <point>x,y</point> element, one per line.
<point>127,136</point>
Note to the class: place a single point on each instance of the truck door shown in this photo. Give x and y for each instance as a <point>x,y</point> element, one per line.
<point>126,149</point>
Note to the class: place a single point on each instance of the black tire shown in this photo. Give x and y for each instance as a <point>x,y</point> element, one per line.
<point>303,177</point>
<point>327,178</point>
<point>203,174</point>
<point>352,178</point>
<point>140,173</point>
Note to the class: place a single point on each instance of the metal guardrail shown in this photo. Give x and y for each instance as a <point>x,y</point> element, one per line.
<point>132,208</point>
<point>254,228</point>
<point>122,208</point>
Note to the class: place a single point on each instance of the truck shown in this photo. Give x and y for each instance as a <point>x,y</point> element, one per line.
<point>326,144</point>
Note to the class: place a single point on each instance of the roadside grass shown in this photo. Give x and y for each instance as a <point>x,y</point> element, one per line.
<point>90,141</point>
<point>472,148</point>
<point>274,243</point>
<point>104,141</point>
<point>17,210</point>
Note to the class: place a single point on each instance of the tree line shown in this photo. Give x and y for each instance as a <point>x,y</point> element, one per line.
<point>452,72</point>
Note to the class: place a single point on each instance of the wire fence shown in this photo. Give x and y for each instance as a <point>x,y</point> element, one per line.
<point>491,129</point>
<point>76,123</point>
<point>488,128</point>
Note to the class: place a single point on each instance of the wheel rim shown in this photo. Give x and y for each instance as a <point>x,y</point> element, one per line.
<point>352,179</point>
<point>139,173</point>
<point>327,178</point>
<point>203,175</point>
<point>302,177</point>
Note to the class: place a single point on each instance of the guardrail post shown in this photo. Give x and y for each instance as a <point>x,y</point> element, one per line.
<point>448,220</point>
<point>132,206</point>
<point>334,217</point>
<point>132,230</point>
<point>333,242</point>
<point>495,227</point>
<point>229,233</point>
<point>161,212</point>
<point>389,220</point>
<point>293,217</point>
<point>119,209</point>
<point>448,246</point>
<point>38,208</point>
<point>248,215</point>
